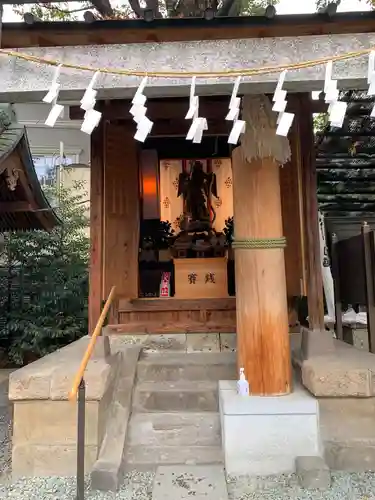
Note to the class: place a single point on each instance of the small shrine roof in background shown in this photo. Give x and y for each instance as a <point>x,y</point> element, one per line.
<point>23,205</point>
<point>345,160</point>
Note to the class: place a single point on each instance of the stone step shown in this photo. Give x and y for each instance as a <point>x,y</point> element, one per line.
<point>152,456</point>
<point>193,367</point>
<point>348,433</point>
<point>174,429</point>
<point>204,482</point>
<point>176,396</point>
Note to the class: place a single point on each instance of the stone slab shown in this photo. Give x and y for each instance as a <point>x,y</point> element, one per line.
<point>23,81</point>
<point>49,460</point>
<point>165,342</point>
<point>313,473</point>
<point>107,471</point>
<point>344,372</point>
<point>178,396</point>
<point>202,342</point>
<point>180,429</point>
<point>191,367</point>
<point>264,435</point>
<point>190,455</point>
<point>183,483</point>
<point>228,342</point>
<point>348,433</point>
<point>52,422</point>
<point>51,377</point>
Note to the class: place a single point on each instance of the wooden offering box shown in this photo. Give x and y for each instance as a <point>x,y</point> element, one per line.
<point>201,278</point>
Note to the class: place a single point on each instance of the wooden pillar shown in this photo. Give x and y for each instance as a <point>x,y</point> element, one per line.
<point>96,225</point>
<point>261,303</point>
<point>293,220</point>
<point>121,211</point>
<point>305,127</point>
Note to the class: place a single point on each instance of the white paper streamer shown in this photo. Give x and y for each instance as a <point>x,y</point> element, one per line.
<point>371,67</point>
<point>138,111</point>
<point>143,129</point>
<point>139,98</point>
<point>283,127</point>
<point>90,121</point>
<point>88,100</point>
<point>199,124</point>
<point>54,114</point>
<point>53,92</point>
<point>239,127</point>
<point>337,113</point>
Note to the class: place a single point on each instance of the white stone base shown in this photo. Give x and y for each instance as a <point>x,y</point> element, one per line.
<point>264,435</point>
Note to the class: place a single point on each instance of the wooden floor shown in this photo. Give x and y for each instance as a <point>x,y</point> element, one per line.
<point>175,315</point>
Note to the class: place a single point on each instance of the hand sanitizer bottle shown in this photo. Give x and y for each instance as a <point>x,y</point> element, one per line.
<point>242,384</point>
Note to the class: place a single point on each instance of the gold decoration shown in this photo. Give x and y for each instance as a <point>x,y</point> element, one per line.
<point>12,176</point>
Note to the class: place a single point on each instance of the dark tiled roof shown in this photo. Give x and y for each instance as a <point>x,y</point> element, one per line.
<point>345,160</point>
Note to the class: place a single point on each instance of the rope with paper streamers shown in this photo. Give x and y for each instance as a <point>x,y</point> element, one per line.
<point>188,74</point>
<point>92,117</point>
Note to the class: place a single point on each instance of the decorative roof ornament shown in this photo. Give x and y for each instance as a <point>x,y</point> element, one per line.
<point>12,176</point>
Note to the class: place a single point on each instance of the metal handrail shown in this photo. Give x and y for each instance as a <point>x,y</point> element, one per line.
<point>90,348</point>
<point>79,387</point>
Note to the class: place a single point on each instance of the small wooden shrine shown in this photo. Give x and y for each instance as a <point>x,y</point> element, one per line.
<point>176,265</point>
<point>235,246</point>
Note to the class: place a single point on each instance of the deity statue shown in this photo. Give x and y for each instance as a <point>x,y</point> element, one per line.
<point>196,188</point>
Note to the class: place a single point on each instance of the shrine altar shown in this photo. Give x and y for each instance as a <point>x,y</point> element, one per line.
<point>201,278</point>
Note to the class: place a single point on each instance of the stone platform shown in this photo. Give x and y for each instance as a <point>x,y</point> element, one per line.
<point>173,415</point>
<point>265,435</point>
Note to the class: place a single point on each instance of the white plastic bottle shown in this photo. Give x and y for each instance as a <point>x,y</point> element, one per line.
<point>242,384</point>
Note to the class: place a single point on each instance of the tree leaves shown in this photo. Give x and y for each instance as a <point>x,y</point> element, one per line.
<point>47,274</point>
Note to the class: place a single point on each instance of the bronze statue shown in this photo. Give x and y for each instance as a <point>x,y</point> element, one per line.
<point>196,189</point>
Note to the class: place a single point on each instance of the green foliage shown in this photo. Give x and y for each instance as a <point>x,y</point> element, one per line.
<point>320,4</point>
<point>45,299</point>
<point>320,122</point>
<point>183,8</point>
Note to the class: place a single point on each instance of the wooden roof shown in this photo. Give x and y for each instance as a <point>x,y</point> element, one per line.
<point>55,34</point>
<point>23,205</point>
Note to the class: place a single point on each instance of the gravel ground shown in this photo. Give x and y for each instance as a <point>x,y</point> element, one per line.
<point>345,486</point>
<point>138,486</point>
<point>5,433</point>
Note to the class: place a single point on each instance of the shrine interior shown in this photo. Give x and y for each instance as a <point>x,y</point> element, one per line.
<point>186,222</point>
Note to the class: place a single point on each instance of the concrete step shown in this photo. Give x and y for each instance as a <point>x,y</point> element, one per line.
<point>176,396</point>
<point>152,456</point>
<point>174,429</point>
<point>193,367</point>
